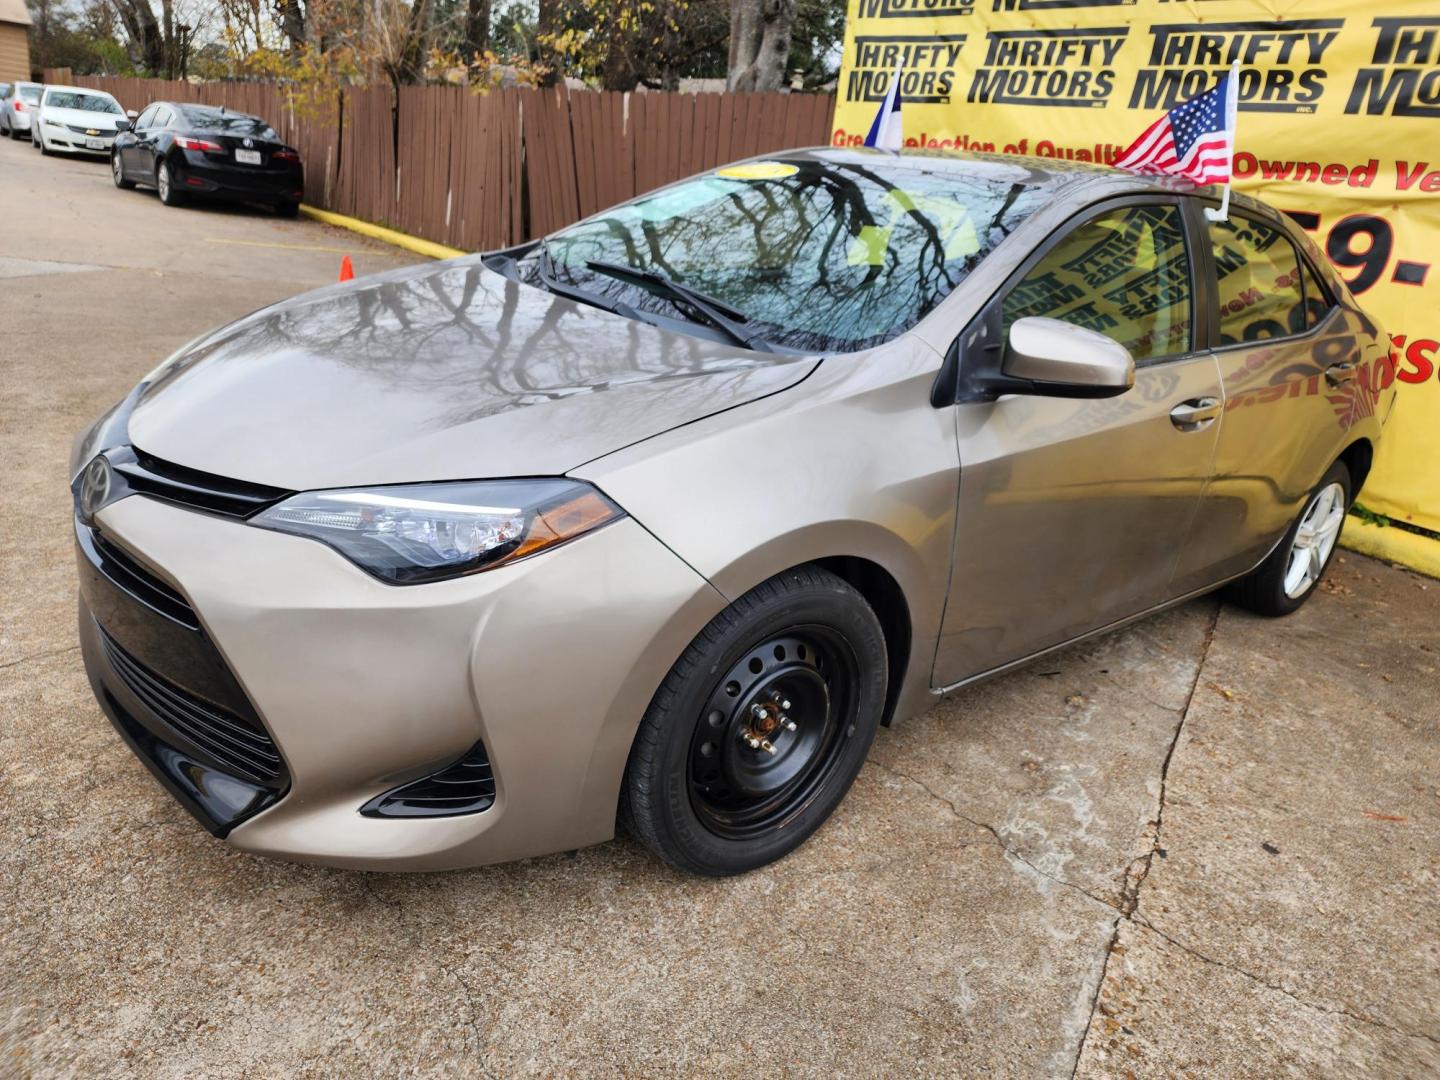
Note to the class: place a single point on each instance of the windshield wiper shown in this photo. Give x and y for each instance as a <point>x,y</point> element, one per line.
<point>716,312</point>
<point>545,271</point>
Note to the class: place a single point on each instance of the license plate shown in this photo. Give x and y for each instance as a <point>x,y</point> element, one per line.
<point>94,144</point>
<point>248,157</point>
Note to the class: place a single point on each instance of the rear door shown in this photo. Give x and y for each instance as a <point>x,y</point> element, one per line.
<point>1288,355</point>
<point>1072,513</point>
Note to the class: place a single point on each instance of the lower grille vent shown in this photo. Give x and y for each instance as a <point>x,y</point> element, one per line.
<point>466,787</point>
<point>230,743</point>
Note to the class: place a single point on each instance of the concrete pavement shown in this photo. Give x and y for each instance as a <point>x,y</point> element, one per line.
<point>1206,845</point>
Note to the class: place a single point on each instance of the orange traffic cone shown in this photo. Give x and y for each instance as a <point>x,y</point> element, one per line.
<point>347,272</point>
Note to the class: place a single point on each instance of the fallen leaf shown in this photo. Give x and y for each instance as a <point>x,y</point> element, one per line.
<point>1375,815</point>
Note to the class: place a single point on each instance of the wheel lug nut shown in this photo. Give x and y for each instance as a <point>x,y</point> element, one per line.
<point>765,745</point>
<point>788,724</point>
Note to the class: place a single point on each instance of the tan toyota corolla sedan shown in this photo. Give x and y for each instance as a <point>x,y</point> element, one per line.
<point>657,520</point>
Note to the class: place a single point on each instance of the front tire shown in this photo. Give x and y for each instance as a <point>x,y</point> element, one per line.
<point>287,208</point>
<point>1293,570</point>
<point>117,173</point>
<point>760,728</point>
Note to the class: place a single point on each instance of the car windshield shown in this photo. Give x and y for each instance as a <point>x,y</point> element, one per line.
<point>832,254</point>
<point>227,123</point>
<point>30,94</point>
<point>69,99</point>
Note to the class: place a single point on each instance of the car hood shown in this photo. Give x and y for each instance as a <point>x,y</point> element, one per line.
<point>441,372</point>
<point>103,122</point>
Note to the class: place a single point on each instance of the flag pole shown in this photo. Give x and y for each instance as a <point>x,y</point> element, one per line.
<point>1232,102</point>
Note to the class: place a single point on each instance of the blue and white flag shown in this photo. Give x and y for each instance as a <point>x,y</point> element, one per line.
<point>888,132</point>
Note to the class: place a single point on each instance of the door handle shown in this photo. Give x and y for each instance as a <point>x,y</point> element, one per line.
<point>1193,414</point>
<point>1341,372</point>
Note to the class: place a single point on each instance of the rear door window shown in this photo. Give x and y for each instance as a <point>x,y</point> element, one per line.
<point>1259,283</point>
<point>1125,274</point>
<point>1318,301</point>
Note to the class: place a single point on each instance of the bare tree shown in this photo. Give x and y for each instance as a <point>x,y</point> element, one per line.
<point>759,43</point>
<point>477,28</point>
<point>145,40</point>
<point>290,14</point>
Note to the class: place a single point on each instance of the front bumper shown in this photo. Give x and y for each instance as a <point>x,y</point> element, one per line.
<point>549,663</point>
<point>65,141</point>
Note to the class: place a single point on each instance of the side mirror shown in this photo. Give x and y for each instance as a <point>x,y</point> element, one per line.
<point>132,114</point>
<point>1061,359</point>
<point>122,125</point>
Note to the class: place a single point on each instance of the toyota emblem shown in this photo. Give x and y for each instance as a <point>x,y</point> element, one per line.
<point>248,142</point>
<point>94,487</point>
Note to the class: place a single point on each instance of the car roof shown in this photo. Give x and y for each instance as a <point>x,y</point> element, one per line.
<point>216,109</point>
<point>77,89</point>
<point>1055,173</point>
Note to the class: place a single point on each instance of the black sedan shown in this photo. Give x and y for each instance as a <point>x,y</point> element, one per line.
<point>208,151</point>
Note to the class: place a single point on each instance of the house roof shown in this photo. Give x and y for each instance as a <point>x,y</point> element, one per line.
<point>13,11</point>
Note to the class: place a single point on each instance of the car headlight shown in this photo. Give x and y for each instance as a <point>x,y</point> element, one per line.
<point>415,533</point>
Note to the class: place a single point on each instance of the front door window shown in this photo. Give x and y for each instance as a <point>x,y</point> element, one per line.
<point>1124,274</point>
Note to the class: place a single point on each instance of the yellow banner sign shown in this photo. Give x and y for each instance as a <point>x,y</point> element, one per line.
<point>1339,125</point>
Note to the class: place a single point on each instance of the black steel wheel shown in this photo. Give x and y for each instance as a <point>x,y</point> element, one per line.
<point>760,727</point>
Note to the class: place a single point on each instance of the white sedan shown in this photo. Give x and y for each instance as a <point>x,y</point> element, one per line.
<point>74,120</point>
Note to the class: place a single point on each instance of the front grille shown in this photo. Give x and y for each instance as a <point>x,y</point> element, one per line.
<point>231,743</point>
<point>148,475</point>
<point>138,582</point>
<point>94,133</point>
<point>466,787</point>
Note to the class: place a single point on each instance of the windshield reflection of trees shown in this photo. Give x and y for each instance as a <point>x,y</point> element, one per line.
<point>784,252</point>
<point>475,343</point>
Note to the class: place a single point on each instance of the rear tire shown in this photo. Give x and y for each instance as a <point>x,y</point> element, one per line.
<point>165,185</point>
<point>759,729</point>
<point>1291,572</point>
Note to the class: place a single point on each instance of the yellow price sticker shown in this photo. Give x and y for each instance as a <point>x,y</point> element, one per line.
<point>758,170</point>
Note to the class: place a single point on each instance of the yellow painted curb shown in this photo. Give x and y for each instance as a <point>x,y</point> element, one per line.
<point>1396,545</point>
<point>428,248</point>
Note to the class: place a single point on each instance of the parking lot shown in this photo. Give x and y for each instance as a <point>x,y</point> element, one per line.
<point>1207,844</point>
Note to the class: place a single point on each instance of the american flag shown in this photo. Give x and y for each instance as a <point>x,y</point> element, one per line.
<point>1195,140</point>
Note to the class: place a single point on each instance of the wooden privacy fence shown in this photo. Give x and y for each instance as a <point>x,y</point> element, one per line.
<point>479,171</point>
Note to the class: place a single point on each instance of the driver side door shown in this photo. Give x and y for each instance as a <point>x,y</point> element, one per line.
<point>1073,512</point>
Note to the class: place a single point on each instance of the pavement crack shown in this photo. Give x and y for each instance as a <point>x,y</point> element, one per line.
<point>472,1009</point>
<point>995,833</point>
<point>1139,868</point>
<point>38,656</point>
<point>1259,980</point>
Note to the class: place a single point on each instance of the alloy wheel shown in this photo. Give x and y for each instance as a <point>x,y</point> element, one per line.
<point>162,182</point>
<point>115,169</point>
<point>1315,539</point>
<point>772,731</point>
